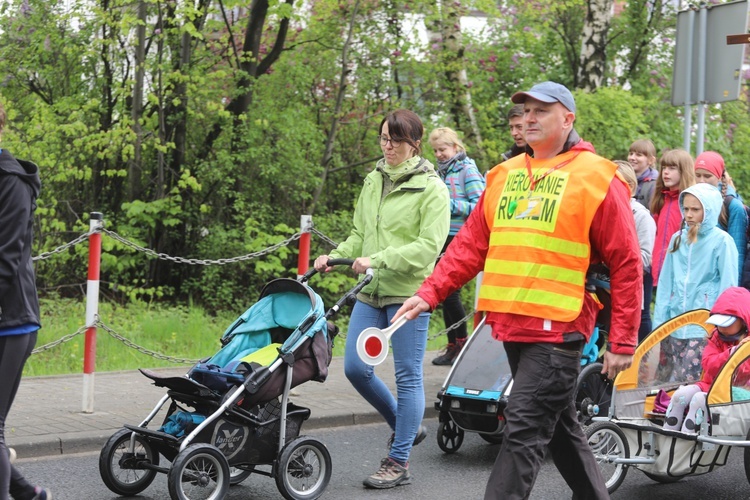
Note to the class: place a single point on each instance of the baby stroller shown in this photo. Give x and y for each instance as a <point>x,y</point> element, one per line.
<point>231,414</point>
<point>476,390</point>
<point>632,436</point>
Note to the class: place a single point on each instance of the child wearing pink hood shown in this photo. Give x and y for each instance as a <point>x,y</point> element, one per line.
<point>731,316</point>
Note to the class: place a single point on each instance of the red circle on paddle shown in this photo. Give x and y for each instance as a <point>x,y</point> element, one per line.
<point>373,347</point>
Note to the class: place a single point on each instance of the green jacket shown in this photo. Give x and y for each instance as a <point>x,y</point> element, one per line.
<point>402,232</point>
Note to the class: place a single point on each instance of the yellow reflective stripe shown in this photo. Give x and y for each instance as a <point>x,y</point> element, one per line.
<point>540,241</point>
<point>536,297</point>
<point>543,271</point>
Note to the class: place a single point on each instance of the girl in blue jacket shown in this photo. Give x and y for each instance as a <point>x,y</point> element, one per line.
<point>700,264</point>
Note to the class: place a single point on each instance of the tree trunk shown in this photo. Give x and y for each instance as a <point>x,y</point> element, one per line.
<point>252,67</point>
<point>328,152</point>
<point>593,59</point>
<point>135,168</point>
<point>459,96</point>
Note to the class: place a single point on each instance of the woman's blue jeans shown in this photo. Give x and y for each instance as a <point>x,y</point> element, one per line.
<point>405,413</point>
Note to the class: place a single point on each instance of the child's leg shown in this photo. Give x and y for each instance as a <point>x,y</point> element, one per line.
<point>696,413</point>
<point>680,401</point>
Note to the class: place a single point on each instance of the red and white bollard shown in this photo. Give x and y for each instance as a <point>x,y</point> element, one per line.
<point>303,260</point>
<point>96,223</point>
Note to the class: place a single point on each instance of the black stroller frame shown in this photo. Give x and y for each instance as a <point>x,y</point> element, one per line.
<point>245,427</point>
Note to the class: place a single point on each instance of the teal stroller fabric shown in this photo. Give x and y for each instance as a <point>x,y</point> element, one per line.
<point>294,309</point>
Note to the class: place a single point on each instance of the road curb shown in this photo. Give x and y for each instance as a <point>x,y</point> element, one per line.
<point>92,441</point>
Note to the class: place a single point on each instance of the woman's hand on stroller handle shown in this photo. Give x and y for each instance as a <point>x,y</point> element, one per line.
<point>325,264</point>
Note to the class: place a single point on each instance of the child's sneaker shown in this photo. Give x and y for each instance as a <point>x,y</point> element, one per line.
<point>390,475</point>
<point>41,494</point>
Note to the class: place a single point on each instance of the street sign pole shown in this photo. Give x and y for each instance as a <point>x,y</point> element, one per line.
<point>688,112</point>
<point>707,71</point>
<point>699,138</point>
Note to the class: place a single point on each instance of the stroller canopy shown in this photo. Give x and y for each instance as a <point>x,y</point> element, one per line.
<point>288,312</point>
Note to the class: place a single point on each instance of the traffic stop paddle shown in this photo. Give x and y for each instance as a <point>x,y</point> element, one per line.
<point>372,344</point>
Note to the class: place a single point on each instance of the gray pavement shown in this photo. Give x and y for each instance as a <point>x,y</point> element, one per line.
<point>46,417</point>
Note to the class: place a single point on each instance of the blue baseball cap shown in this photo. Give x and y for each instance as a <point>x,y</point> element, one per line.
<point>548,92</point>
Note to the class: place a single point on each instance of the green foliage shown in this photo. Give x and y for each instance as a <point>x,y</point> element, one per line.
<point>178,332</point>
<point>223,158</point>
<point>611,119</point>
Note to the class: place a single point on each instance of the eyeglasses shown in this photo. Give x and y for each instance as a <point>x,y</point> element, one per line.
<point>385,140</point>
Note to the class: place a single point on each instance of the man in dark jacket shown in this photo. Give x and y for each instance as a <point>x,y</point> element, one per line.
<point>19,304</point>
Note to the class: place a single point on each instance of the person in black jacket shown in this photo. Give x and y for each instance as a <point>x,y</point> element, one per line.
<point>19,303</point>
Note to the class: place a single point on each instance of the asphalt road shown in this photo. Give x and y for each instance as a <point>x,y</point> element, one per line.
<point>356,452</point>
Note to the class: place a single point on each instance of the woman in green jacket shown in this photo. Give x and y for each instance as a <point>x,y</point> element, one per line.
<point>400,224</point>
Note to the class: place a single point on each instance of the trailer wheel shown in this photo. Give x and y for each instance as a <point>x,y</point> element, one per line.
<point>450,436</point>
<point>607,441</point>
<point>593,394</point>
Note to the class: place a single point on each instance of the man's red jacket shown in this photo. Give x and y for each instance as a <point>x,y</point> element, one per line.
<point>613,241</point>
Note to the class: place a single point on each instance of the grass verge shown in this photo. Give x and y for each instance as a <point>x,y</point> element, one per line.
<point>176,332</point>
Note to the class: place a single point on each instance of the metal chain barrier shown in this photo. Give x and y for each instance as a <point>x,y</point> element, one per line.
<point>61,248</point>
<point>202,262</point>
<point>433,337</point>
<point>59,341</point>
<point>324,237</point>
<point>452,327</point>
<point>142,349</point>
<point>83,237</point>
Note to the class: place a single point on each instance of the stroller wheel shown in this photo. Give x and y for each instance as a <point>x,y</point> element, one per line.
<point>236,475</point>
<point>607,441</point>
<point>304,469</point>
<point>450,436</point>
<point>122,471</point>
<point>199,471</point>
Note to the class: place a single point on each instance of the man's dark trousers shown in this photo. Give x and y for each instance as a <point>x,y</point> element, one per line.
<point>541,415</point>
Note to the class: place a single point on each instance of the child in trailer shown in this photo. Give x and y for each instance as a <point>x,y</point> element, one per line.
<point>730,315</point>
<point>701,263</point>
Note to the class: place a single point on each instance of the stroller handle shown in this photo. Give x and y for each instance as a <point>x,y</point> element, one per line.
<point>331,262</point>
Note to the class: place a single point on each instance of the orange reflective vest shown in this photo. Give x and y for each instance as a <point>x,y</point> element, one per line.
<point>539,248</point>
